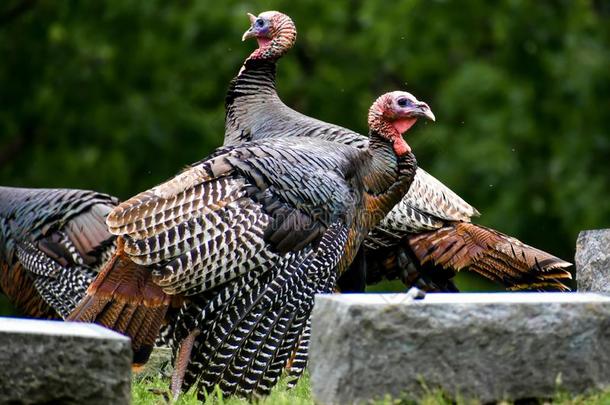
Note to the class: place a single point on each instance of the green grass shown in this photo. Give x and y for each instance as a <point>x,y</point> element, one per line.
<point>147,389</point>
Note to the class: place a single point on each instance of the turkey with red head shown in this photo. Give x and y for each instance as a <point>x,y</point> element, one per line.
<point>246,238</point>
<point>428,236</point>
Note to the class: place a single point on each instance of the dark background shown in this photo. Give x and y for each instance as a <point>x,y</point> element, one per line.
<point>119,95</point>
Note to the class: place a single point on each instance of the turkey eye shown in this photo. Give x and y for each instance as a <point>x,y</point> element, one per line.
<point>402,102</point>
<point>260,23</point>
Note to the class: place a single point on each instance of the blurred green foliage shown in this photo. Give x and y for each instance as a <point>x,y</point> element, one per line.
<point>119,95</point>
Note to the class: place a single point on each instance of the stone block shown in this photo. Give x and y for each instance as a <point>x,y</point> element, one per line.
<point>593,260</point>
<point>63,362</point>
<point>494,346</point>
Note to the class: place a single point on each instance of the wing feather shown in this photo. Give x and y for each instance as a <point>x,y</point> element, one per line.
<point>427,205</point>
<point>230,214</point>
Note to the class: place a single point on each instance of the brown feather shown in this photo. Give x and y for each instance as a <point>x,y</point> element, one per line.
<point>19,288</point>
<point>88,230</point>
<point>125,298</point>
<point>490,253</point>
<point>126,315</point>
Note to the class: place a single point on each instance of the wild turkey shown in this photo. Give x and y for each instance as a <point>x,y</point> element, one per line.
<point>246,238</point>
<point>53,242</point>
<point>428,236</point>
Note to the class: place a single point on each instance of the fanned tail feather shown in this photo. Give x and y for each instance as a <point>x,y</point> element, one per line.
<point>125,299</point>
<point>492,254</point>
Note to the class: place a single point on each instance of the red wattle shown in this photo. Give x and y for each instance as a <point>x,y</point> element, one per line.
<point>404,124</point>
<point>401,147</point>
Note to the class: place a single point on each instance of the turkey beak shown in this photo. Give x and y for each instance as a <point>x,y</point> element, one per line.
<point>421,109</point>
<point>250,33</point>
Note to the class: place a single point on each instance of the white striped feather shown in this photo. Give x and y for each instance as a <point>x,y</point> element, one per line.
<point>426,206</point>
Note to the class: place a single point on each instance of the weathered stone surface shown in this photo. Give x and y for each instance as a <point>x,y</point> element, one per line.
<point>593,260</point>
<point>485,346</point>
<point>63,362</point>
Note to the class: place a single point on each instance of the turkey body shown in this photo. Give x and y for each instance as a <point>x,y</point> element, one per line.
<point>53,243</point>
<point>247,237</point>
<point>419,235</point>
